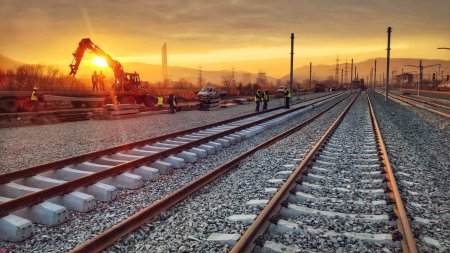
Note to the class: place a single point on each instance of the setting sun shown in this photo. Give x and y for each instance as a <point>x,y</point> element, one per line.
<point>99,62</point>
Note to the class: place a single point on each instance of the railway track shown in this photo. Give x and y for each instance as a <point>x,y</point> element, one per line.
<point>119,231</point>
<point>438,109</point>
<point>43,194</point>
<point>343,196</point>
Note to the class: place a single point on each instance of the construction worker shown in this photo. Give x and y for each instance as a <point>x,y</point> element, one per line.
<point>175,103</point>
<point>101,79</point>
<point>172,103</point>
<point>34,99</point>
<point>160,101</point>
<point>265,99</point>
<point>94,79</point>
<point>287,96</point>
<point>258,97</point>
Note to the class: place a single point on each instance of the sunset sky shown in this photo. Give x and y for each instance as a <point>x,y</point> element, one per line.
<point>249,35</point>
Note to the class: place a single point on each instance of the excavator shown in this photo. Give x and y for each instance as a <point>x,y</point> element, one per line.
<point>127,86</point>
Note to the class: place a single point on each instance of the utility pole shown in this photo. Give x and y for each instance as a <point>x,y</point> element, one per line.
<point>375,74</point>
<point>351,75</point>
<point>346,72</point>
<point>421,67</point>
<point>291,79</point>
<point>389,30</point>
<point>371,78</point>
<point>310,76</point>
<point>336,73</point>
<point>342,76</point>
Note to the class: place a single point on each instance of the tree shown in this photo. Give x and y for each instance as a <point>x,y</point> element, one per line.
<point>228,80</point>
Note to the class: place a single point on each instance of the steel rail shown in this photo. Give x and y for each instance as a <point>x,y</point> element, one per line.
<point>262,221</point>
<point>408,242</point>
<point>113,234</point>
<point>445,115</point>
<point>424,101</point>
<point>32,171</point>
<point>47,193</point>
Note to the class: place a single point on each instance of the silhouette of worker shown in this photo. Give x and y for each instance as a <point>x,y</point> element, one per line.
<point>94,79</point>
<point>101,79</point>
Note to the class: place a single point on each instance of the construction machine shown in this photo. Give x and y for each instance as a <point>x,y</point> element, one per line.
<point>127,86</point>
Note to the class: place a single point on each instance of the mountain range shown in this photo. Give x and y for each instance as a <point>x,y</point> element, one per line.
<point>153,72</point>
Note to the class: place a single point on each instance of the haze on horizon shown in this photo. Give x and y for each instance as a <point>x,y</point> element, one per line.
<point>250,35</point>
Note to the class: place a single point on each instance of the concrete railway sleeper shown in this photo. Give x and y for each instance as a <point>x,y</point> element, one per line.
<point>44,194</point>
<point>342,196</point>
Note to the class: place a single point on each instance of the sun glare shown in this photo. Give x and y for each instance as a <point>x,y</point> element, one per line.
<point>99,62</point>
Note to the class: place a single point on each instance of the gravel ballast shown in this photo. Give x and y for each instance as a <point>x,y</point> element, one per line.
<point>23,147</point>
<point>83,226</point>
<point>418,144</point>
<point>186,227</point>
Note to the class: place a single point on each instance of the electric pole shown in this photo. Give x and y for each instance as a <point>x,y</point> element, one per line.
<point>310,76</point>
<point>375,75</point>
<point>421,67</point>
<point>336,73</point>
<point>389,30</point>
<point>346,72</point>
<point>351,75</point>
<point>291,79</point>
<point>371,78</point>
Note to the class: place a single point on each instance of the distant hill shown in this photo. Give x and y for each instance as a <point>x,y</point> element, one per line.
<point>321,72</point>
<point>8,63</point>
<point>153,72</point>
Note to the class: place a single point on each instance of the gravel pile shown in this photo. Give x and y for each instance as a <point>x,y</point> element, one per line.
<point>418,144</point>
<point>81,226</point>
<point>25,147</point>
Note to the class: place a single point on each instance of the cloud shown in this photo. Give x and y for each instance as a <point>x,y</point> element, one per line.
<point>51,29</point>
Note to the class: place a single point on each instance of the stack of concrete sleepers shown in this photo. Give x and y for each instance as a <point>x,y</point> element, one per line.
<point>208,104</point>
<point>116,111</point>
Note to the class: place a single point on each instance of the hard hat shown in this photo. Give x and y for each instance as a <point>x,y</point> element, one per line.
<point>35,88</point>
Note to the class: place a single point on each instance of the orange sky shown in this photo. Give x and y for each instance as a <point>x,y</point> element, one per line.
<point>250,35</point>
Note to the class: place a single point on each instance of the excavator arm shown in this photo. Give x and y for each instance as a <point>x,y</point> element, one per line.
<point>87,44</point>
<point>123,80</point>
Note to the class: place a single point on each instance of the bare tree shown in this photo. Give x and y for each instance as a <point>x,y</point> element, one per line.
<point>228,80</point>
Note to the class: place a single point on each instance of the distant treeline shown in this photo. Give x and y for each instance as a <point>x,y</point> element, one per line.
<point>45,77</point>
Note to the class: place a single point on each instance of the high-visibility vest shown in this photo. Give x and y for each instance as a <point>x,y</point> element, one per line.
<point>257,97</point>
<point>160,100</point>
<point>265,96</point>
<point>34,96</point>
<point>287,94</point>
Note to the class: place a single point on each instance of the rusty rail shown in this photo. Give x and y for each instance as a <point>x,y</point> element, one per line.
<point>248,239</point>
<point>408,242</point>
<point>445,115</point>
<point>40,196</point>
<point>424,101</point>
<point>113,234</point>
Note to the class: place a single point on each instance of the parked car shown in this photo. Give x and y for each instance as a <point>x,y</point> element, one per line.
<point>281,89</point>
